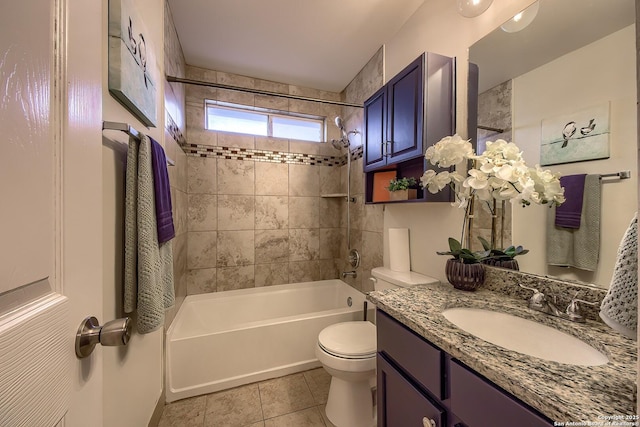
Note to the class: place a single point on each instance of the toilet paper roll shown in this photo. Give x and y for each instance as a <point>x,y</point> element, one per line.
<point>399,256</point>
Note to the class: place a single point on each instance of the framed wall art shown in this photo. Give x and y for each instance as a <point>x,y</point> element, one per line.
<point>132,63</point>
<point>576,137</point>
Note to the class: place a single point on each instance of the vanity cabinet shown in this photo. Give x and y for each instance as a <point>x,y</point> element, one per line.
<point>418,384</point>
<point>413,110</point>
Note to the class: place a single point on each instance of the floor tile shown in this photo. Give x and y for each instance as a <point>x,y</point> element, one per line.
<point>237,407</point>
<point>186,412</point>
<point>285,395</point>
<point>318,381</point>
<point>306,418</point>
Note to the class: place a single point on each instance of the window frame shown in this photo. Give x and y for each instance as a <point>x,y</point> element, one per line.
<point>270,114</point>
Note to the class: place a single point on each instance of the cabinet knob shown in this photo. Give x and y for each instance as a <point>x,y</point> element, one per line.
<point>428,422</point>
<point>387,149</point>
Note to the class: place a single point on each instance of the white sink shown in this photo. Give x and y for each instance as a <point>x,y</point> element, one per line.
<point>525,336</point>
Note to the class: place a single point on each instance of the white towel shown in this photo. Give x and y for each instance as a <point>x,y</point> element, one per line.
<point>580,247</point>
<point>148,266</point>
<point>619,308</point>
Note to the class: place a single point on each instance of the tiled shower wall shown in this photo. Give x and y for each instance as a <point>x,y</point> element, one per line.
<point>256,211</point>
<point>256,215</point>
<point>494,110</point>
<point>366,220</point>
<point>174,136</point>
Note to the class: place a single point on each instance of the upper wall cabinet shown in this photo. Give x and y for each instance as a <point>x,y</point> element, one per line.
<point>413,110</point>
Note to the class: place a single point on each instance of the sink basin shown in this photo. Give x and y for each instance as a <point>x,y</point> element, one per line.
<point>525,336</point>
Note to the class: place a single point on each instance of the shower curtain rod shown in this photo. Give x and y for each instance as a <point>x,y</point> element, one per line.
<point>131,131</point>
<point>259,92</point>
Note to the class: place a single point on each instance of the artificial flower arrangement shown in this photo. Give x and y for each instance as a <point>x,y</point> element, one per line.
<point>499,173</point>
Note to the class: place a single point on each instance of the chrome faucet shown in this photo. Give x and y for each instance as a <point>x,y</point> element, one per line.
<point>540,302</point>
<point>351,273</point>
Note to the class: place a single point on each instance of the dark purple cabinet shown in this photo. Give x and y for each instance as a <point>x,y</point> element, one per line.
<point>419,383</point>
<point>401,403</point>
<point>415,109</point>
<point>375,130</point>
<point>479,403</point>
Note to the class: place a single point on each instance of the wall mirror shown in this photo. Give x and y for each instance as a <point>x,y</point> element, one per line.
<point>573,56</point>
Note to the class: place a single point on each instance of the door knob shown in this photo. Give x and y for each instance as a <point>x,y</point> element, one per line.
<point>114,333</point>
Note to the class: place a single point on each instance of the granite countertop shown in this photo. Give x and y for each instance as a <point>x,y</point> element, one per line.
<point>564,393</point>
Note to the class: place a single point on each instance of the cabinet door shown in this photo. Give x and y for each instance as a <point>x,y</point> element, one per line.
<point>401,404</point>
<point>479,403</point>
<point>375,129</point>
<point>405,112</point>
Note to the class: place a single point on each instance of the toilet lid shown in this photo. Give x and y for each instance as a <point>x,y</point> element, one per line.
<point>350,340</point>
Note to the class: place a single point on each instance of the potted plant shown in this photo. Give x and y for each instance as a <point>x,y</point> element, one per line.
<point>403,188</point>
<point>465,270</point>
<point>499,173</point>
<point>504,258</point>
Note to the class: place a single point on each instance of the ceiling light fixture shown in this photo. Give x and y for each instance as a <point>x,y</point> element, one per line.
<point>472,8</point>
<point>522,19</point>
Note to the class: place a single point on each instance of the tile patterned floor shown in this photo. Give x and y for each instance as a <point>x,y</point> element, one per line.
<point>296,400</point>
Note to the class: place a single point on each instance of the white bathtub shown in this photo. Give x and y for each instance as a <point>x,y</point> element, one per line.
<point>226,339</point>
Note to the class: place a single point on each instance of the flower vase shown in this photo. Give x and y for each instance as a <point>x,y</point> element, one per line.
<point>466,277</point>
<point>510,264</point>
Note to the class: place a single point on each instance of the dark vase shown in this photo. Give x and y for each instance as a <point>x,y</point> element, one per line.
<point>466,277</point>
<point>511,264</point>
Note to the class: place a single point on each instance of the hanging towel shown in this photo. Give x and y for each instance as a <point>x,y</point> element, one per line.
<point>569,213</point>
<point>579,248</point>
<point>162,190</point>
<point>148,285</point>
<point>619,308</point>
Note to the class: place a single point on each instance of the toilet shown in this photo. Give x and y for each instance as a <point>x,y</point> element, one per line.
<point>347,351</point>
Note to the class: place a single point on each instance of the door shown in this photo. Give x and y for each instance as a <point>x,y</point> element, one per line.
<point>50,181</point>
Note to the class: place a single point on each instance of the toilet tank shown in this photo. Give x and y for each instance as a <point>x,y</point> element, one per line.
<point>385,278</point>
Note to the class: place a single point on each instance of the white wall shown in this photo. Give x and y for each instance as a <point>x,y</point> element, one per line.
<point>133,374</point>
<point>595,74</point>
<point>437,27</point>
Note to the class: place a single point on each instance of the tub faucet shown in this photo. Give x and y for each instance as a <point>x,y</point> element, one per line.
<point>351,273</point>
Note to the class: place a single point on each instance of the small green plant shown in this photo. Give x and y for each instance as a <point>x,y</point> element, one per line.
<point>465,255</point>
<point>502,254</point>
<point>399,184</point>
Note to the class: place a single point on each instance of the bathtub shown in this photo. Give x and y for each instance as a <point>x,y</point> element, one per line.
<point>226,339</point>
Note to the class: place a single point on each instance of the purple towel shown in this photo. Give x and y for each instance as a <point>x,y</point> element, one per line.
<point>569,213</point>
<point>162,191</point>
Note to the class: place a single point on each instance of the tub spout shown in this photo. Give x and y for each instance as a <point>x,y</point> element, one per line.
<point>349,273</point>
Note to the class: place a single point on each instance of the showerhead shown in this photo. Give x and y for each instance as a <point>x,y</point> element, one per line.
<point>343,142</point>
<point>340,125</point>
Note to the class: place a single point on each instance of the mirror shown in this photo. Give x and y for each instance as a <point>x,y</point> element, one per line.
<point>574,56</point>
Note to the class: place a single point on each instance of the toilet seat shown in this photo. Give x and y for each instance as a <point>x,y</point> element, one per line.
<point>349,340</point>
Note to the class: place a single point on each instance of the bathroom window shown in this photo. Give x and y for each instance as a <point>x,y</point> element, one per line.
<point>264,122</point>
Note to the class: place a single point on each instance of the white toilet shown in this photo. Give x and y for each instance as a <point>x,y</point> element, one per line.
<point>347,352</point>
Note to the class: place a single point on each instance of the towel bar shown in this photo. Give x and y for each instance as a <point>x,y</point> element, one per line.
<point>129,130</point>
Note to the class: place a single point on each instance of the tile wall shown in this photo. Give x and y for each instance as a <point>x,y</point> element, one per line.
<point>366,220</point>
<point>174,136</point>
<point>255,211</point>
<point>256,215</point>
<point>494,110</point>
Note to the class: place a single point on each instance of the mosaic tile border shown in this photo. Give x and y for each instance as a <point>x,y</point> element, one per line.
<point>269,156</point>
<point>174,131</point>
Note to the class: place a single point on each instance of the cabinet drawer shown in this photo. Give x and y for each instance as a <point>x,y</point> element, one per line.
<point>400,404</point>
<point>480,404</point>
<point>416,356</point>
